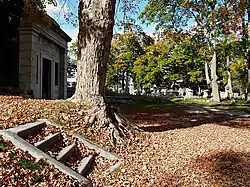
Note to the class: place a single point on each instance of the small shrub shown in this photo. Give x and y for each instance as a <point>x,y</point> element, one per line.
<point>28,164</point>
<point>37,179</point>
<point>2,146</point>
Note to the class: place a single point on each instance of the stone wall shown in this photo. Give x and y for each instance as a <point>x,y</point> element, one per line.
<point>25,45</point>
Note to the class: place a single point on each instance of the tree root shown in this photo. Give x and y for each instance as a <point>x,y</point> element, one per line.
<point>110,118</point>
<point>107,117</point>
<point>75,98</point>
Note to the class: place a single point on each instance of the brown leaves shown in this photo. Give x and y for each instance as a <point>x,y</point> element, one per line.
<point>19,168</point>
<point>178,147</point>
<point>207,154</point>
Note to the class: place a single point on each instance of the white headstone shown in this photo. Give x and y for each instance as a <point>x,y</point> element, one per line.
<point>223,95</point>
<point>242,96</point>
<point>205,93</point>
<point>164,91</point>
<point>236,95</point>
<point>181,91</point>
<point>189,93</point>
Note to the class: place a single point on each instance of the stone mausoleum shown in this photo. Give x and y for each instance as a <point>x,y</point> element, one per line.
<point>33,59</point>
<point>42,60</point>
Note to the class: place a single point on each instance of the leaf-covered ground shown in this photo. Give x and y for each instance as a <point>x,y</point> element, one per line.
<point>178,147</point>
<point>18,168</point>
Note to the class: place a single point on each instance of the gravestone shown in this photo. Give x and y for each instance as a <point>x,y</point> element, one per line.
<point>205,93</point>
<point>171,93</point>
<point>242,96</point>
<point>236,95</point>
<point>164,91</point>
<point>223,95</point>
<point>181,92</point>
<point>189,93</point>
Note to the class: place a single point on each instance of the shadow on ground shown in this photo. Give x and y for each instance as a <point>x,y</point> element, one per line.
<point>226,168</point>
<point>152,119</point>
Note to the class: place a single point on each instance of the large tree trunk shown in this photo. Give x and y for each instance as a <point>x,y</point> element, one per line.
<point>245,33</point>
<point>214,83</point>
<point>247,50</point>
<point>123,82</point>
<point>207,74</point>
<point>96,21</point>
<point>126,83</point>
<point>229,88</point>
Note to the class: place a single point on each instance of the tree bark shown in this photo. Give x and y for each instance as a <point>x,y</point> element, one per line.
<point>229,88</point>
<point>214,77</point>
<point>245,33</point>
<point>247,50</point>
<point>207,74</point>
<point>123,82</point>
<point>213,82</point>
<point>96,21</point>
<point>126,83</point>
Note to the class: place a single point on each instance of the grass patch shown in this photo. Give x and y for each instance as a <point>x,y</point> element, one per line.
<point>28,164</point>
<point>151,102</point>
<point>239,104</point>
<point>181,103</point>
<point>65,105</point>
<point>2,146</point>
<point>37,179</point>
<point>12,154</point>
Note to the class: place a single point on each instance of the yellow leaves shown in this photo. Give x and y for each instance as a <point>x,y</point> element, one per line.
<point>223,13</point>
<point>34,12</point>
<point>238,64</point>
<point>119,60</point>
<point>187,4</point>
<point>242,6</point>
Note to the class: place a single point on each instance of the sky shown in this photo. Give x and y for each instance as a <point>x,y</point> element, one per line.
<point>58,12</point>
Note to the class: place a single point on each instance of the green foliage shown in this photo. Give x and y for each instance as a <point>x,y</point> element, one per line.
<point>175,57</point>
<point>2,146</point>
<point>12,154</point>
<point>231,46</point>
<point>220,26</point>
<point>147,67</point>
<point>126,48</point>
<point>179,13</point>
<point>239,74</point>
<point>166,14</point>
<point>72,59</point>
<point>28,164</point>
<point>37,179</point>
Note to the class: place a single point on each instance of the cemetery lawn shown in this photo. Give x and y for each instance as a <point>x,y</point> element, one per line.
<point>178,147</point>
<point>238,105</point>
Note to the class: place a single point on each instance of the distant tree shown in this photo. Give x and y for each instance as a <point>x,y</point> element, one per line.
<point>211,18</point>
<point>72,60</point>
<point>175,57</point>
<point>126,48</point>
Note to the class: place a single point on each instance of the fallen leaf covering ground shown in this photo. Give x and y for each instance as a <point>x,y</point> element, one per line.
<point>21,169</point>
<point>178,147</point>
